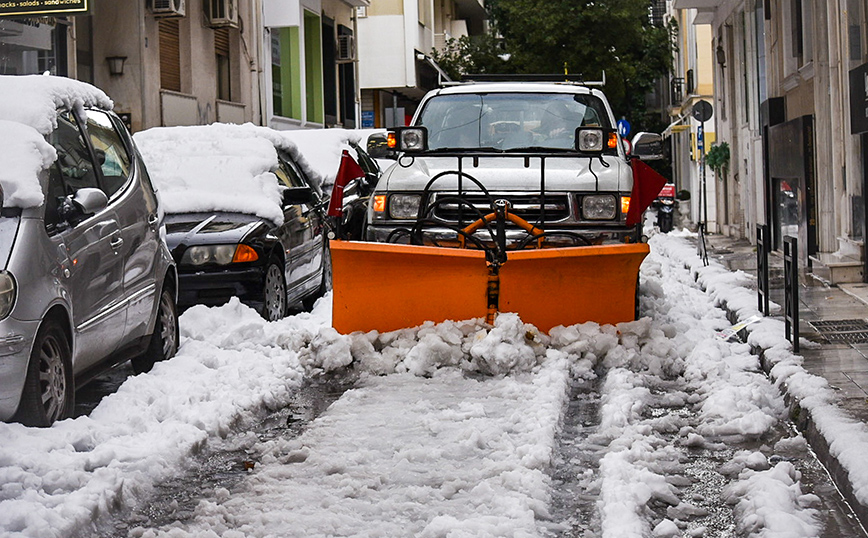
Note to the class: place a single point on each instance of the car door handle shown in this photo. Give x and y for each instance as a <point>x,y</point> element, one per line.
<point>116,242</point>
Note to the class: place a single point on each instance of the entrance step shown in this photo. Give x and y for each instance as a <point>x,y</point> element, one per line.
<point>836,268</point>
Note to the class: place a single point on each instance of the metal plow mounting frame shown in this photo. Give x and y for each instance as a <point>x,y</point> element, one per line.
<point>385,287</point>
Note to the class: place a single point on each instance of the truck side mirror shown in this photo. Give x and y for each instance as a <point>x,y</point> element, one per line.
<point>378,147</point>
<point>647,146</point>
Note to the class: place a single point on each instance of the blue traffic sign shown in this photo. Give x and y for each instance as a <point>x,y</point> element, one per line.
<point>623,128</point>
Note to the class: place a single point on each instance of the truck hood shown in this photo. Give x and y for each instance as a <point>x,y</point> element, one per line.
<point>500,174</point>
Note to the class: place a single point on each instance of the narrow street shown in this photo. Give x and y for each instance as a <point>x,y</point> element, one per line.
<point>657,428</point>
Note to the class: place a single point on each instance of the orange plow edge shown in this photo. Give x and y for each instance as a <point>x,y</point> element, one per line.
<point>385,287</point>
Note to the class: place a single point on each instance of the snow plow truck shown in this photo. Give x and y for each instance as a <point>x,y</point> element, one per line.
<point>506,196</point>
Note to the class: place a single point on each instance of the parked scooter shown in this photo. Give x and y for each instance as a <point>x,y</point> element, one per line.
<point>665,204</point>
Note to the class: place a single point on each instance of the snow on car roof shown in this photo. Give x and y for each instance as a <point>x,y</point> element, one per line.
<point>321,150</point>
<point>28,112</point>
<point>217,167</point>
<point>225,167</point>
<point>34,99</point>
<point>23,152</point>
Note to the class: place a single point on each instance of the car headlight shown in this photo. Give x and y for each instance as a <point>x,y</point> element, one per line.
<point>404,206</point>
<point>599,207</point>
<point>7,294</point>
<point>202,254</point>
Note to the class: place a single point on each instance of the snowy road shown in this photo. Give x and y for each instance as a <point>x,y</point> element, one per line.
<point>653,428</point>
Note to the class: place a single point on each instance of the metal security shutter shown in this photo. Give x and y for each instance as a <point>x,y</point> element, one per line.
<point>170,55</point>
<point>221,50</point>
<point>221,41</point>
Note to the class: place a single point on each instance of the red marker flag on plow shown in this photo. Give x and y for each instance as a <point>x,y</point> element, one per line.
<point>348,171</point>
<point>646,186</point>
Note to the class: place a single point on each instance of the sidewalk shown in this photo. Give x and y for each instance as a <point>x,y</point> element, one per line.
<point>838,353</point>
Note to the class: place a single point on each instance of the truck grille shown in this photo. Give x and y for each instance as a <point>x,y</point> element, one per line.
<point>528,207</point>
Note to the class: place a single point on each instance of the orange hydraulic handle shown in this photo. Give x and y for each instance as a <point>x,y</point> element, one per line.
<point>471,228</point>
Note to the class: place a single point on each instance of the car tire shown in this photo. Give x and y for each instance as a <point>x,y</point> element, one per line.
<point>166,337</point>
<point>326,281</point>
<point>49,389</point>
<point>274,292</point>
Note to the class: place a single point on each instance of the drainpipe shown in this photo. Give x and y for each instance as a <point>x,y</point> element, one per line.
<point>140,11</point>
<point>356,81</point>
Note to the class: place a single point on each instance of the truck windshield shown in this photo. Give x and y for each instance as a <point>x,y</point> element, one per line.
<point>509,120</point>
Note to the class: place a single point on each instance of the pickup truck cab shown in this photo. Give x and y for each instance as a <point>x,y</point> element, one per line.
<point>551,151</point>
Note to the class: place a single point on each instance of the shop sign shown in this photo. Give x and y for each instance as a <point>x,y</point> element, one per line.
<point>859,99</point>
<point>18,8</point>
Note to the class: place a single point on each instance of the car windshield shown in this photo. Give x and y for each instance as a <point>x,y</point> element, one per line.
<point>508,121</point>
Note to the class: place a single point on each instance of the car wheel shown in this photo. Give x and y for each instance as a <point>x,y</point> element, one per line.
<point>165,340</point>
<point>49,391</point>
<point>274,293</point>
<point>326,282</point>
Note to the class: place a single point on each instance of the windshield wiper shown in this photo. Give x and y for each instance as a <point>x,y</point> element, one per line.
<point>466,150</point>
<point>539,149</point>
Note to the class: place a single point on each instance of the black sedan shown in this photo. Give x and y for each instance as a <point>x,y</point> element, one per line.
<point>268,267</point>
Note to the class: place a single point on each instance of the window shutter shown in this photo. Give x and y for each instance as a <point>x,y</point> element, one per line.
<point>170,55</point>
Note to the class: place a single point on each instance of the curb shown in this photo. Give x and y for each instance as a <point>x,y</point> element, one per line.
<point>804,421</point>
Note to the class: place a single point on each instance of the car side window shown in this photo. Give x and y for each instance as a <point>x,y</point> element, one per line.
<point>110,150</point>
<point>289,176</point>
<point>72,170</point>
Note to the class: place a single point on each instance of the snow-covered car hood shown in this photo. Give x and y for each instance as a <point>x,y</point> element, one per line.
<point>209,228</point>
<point>510,174</point>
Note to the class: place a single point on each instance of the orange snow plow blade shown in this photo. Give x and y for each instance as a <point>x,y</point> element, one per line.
<point>385,287</point>
<point>565,286</point>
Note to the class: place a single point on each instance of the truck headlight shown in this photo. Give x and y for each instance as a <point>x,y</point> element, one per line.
<point>404,206</point>
<point>7,294</point>
<point>590,140</point>
<point>408,139</point>
<point>202,254</point>
<point>595,139</point>
<point>599,207</point>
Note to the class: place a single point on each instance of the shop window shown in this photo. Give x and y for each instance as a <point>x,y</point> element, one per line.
<point>313,76</point>
<point>285,73</point>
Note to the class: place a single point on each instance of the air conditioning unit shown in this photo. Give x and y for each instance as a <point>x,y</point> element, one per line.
<point>169,8</point>
<point>346,50</point>
<point>222,13</point>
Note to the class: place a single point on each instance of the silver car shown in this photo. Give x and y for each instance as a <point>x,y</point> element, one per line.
<point>86,280</point>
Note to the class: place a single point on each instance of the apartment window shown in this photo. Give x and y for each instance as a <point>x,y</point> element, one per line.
<point>221,50</point>
<point>426,17</point>
<point>170,55</point>
<point>855,32</point>
<point>802,24</point>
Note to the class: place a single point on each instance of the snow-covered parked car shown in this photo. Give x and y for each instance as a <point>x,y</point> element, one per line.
<point>86,280</point>
<point>242,217</point>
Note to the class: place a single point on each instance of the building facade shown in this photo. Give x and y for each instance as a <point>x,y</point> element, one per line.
<point>283,63</point>
<point>790,88</point>
<point>396,38</point>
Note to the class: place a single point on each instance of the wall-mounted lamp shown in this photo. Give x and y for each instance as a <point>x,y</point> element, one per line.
<point>721,55</point>
<point>116,64</point>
